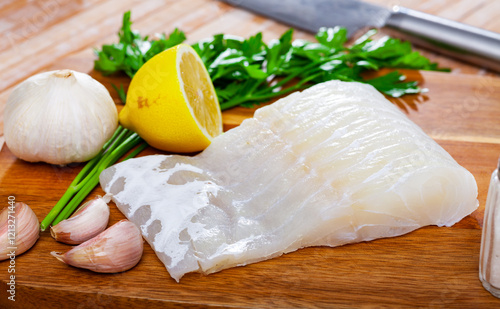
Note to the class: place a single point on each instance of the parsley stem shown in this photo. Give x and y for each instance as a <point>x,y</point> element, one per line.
<point>256,84</point>
<point>267,93</point>
<point>299,85</point>
<point>234,102</point>
<point>293,75</point>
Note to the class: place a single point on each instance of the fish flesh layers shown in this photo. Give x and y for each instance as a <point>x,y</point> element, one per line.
<point>334,164</point>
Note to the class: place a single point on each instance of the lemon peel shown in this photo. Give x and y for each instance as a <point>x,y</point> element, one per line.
<point>171,102</point>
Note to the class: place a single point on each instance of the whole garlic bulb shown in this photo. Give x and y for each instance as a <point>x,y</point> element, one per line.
<point>59,117</point>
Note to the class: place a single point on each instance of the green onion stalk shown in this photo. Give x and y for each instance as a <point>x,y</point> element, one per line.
<point>122,141</point>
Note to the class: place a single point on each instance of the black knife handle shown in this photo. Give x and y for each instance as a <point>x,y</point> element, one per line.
<point>471,44</point>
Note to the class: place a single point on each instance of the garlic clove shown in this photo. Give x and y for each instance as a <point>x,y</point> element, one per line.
<point>27,230</point>
<point>86,223</point>
<point>117,249</point>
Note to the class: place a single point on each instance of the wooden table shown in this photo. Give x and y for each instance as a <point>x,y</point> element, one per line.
<point>431,267</point>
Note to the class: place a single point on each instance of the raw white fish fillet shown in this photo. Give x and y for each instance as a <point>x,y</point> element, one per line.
<point>334,164</point>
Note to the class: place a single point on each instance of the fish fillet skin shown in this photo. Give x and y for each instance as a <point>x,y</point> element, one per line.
<point>334,164</point>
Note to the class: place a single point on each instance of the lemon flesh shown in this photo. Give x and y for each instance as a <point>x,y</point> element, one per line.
<point>171,102</point>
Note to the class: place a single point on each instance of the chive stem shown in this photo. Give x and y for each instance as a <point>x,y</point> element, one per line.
<point>134,153</point>
<point>130,142</point>
<point>120,143</point>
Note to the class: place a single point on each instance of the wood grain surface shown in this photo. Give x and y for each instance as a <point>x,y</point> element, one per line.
<point>431,267</point>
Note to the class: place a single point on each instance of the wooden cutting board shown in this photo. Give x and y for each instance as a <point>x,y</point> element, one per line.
<point>430,267</point>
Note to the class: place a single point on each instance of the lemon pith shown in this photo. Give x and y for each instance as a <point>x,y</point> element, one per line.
<point>171,102</point>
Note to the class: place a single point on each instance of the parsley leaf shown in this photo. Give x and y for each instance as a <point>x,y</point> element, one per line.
<point>393,84</point>
<point>121,93</point>
<point>133,50</point>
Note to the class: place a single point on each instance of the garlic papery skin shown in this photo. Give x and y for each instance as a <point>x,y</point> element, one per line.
<point>117,249</point>
<point>86,223</point>
<point>23,221</point>
<point>59,117</point>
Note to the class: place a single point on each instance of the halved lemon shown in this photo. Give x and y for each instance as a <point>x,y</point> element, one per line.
<point>171,102</point>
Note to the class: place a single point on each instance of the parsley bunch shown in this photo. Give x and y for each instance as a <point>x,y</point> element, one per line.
<point>249,71</point>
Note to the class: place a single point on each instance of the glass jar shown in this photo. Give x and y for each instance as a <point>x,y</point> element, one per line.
<point>489,258</point>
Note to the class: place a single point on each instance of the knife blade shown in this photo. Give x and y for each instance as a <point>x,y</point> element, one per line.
<point>461,41</point>
<point>310,15</point>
